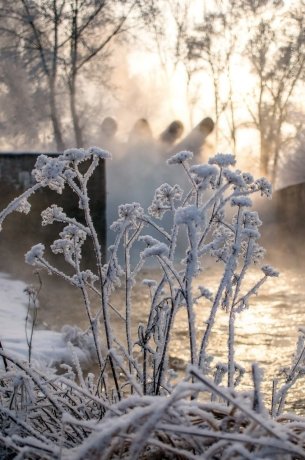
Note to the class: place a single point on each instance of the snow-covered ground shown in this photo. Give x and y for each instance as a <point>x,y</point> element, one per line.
<point>49,347</point>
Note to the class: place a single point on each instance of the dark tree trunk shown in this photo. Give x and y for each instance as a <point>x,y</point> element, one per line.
<point>264,157</point>
<point>55,121</point>
<point>74,115</point>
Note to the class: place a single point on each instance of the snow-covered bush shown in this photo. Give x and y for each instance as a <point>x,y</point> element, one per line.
<point>132,408</point>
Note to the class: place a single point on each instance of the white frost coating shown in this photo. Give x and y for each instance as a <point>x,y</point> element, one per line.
<point>234,178</point>
<point>251,233</point>
<point>24,206</point>
<point>264,186</point>
<point>159,249</point>
<point>269,271</point>
<point>34,253</point>
<point>165,194</point>
<point>149,283</point>
<point>204,171</point>
<point>52,214</point>
<point>130,211</point>
<point>188,214</point>
<point>76,155</point>
<point>241,201</point>
<point>49,172</point>
<point>180,157</point>
<point>103,154</point>
<point>130,215</point>
<point>149,240</point>
<point>252,219</point>
<point>223,160</point>
<point>248,178</point>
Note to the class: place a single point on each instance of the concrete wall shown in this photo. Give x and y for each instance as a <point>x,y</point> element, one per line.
<point>290,207</point>
<point>21,231</point>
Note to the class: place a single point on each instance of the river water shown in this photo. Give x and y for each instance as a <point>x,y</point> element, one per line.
<point>266,332</point>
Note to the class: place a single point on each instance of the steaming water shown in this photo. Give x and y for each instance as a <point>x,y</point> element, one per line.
<point>266,333</point>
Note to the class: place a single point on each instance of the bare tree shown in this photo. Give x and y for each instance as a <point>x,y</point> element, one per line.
<point>276,50</point>
<point>59,39</point>
<point>212,45</point>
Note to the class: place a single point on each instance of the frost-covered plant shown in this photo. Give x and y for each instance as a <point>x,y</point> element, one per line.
<point>132,408</point>
<point>31,315</point>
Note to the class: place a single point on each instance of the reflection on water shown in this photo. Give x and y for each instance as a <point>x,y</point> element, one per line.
<point>265,333</point>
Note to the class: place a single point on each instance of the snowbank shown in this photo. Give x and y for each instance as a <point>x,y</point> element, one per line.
<point>49,347</point>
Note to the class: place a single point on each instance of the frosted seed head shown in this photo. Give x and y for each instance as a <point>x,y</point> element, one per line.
<point>149,240</point>
<point>248,178</point>
<point>204,171</point>
<point>269,271</point>
<point>251,219</point>
<point>103,154</point>
<point>234,178</point>
<point>159,249</point>
<point>264,186</point>
<point>187,214</point>
<point>50,172</point>
<point>251,233</point>
<point>35,253</point>
<point>74,155</point>
<point>180,157</point>
<point>223,160</point>
<point>166,193</point>
<point>241,201</point>
<point>157,209</point>
<point>51,214</point>
<point>24,206</point>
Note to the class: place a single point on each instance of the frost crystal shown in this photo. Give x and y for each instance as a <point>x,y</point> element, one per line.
<point>157,209</point>
<point>269,271</point>
<point>234,178</point>
<point>251,218</point>
<point>241,201</point>
<point>166,193</point>
<point>51,214</point>
<point>248,178</point>
<point>86,276</point>
<point>49,172</point>
<point>251,233</point>
<point>187,214</point>
<point>24,206</point>
<point>154,247</point>
<point>180,157</point>
<point>258,253</point>
<point>129,214</point>
<point>204,171</point>
<point>103,154</point>
<point>149,240</point>
<point>77,155</point>
<point>264,186</point>
<point>223,160</point>
<point>159,249</point>
<point>36,252</point>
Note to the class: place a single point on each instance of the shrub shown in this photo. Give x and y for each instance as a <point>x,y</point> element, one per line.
<point>132,408</point>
